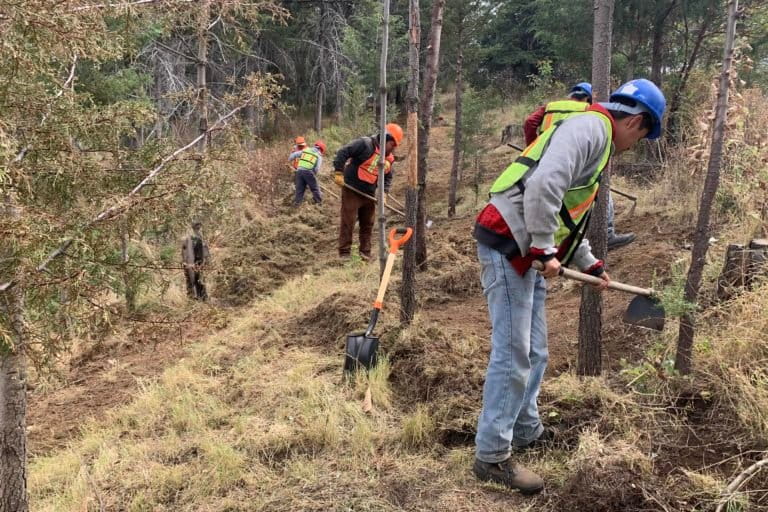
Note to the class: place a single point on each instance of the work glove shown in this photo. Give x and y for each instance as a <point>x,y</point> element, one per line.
<point>338,178</point>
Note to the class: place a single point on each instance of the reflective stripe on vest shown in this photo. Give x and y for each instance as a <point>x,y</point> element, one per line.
<point>557,111</point>
<point>577,202</point>
<point>368,171</point>
<point>307,160</point>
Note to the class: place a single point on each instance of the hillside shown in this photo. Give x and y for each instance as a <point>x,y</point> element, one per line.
<point>241,405</point>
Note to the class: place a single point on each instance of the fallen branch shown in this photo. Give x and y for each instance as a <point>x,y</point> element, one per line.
<point>738,482</point>
<point>114,210</point>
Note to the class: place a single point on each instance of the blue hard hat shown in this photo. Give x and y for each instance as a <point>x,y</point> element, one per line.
<point>645,93</point>
<point>585,87</point>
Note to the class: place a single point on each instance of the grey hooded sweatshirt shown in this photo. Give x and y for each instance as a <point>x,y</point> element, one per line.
<point>570,159</point>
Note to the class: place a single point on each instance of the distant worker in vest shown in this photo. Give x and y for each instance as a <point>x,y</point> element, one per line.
<point>356,170</point>
<point>538,210</point>
<point>579,99</point>
<point>308,163</point>
<point>299,144</point>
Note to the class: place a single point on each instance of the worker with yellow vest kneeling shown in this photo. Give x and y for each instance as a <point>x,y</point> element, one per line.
<point>356,170</point>
<point>308,162</point>
<point>538,210</point>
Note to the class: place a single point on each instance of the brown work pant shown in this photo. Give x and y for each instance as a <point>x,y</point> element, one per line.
<point>355,207</point>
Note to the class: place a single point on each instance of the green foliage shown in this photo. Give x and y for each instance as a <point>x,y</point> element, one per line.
<point>672,295</point>
<point>543,84</point>
<point>84,149</point>
<point>475,124</point>
<point>111,82</point>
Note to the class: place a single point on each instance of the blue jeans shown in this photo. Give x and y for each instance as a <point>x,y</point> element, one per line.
<point>518,357</point>
<point>306,179</point>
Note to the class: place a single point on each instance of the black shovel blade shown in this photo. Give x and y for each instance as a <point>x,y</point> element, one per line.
<point>361,352</point>
<point>645,312</point>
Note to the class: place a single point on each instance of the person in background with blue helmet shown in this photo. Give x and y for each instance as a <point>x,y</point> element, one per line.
<point>579,99</point>
<point>539,210</point>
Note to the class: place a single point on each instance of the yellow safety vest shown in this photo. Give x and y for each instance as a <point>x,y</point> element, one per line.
<point>578,201</point>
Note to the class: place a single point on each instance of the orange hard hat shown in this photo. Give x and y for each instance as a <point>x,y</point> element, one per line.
<point>320,145</point>
<point>396,132</point>
<point>299,141</point>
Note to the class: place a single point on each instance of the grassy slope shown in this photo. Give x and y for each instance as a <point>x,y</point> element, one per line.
<point>254,416</point>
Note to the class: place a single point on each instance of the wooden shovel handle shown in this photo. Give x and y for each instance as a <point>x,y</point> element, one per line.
<point>586,278</point>
<point>395,244</point>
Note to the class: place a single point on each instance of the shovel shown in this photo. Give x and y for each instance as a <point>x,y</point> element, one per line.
<point>645,310</point>
<point>362,346</point>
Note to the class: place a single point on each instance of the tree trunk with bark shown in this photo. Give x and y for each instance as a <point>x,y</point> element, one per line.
<point>319,100</point>
<point>456,164</point>
<point>683,361</point>
<point>426,109</point>
<point>591,309</point>
<point>383,136</point>
<point>408,288</point>
<point>13,394</point>
<point>204,17</point>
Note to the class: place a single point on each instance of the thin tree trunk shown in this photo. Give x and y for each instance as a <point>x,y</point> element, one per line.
<point>683,361</point>
<point>320,100</point>
<point>408,288</point>
<point>673,118</point>
<point>13,398</point>
<point>591,309</point>
<point>383,136</point>
<point>426,109</point>
<point>130,291</point>
<point>202,62</point>
<point>657,45</point>
<point>456,164</point>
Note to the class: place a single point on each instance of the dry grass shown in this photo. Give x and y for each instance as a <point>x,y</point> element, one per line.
<point>256,417</point>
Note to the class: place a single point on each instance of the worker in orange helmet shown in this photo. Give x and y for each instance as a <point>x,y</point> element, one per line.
<point>356,168</point>
<point>299,144</point>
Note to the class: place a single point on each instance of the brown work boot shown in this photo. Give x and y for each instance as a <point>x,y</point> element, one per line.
<point>509,475</point>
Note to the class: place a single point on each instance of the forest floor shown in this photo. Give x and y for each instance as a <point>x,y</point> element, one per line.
<point>239,404</point>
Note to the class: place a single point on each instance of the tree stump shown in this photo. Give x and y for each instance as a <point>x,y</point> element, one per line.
<point>511,132</point>
<point>758,260</point>
<point>743,266</point>
<point>195,255</point>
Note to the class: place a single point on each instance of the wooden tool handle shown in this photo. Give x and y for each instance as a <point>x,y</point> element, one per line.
<point>384,281</point>
<point>353,189</point>
<point>394,244</point>
<point>586,278</point>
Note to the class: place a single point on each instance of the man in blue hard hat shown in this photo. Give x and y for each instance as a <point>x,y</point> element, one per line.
<point>539,208</point>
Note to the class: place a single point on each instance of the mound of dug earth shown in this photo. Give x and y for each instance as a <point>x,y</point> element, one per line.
<point>607,477</point>
<point>329,322</point>
<point>268,252</point>
<point>443,369</point>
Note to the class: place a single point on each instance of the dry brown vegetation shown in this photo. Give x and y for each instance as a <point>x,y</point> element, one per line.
<point>253,414</point>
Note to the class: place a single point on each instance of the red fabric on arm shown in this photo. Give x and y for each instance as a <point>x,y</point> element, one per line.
<point>531,125</point>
